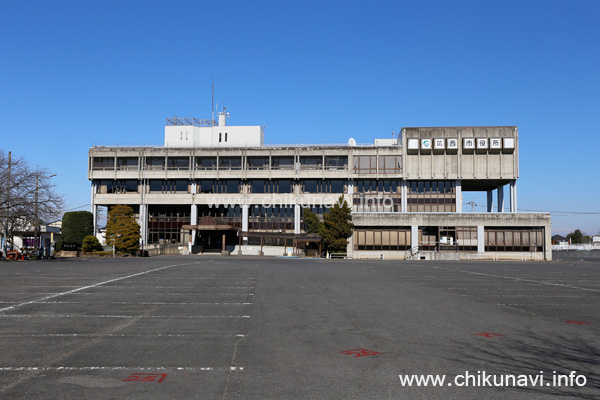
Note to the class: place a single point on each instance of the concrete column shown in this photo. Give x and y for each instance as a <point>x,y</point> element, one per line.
<point>94,207</point>
<point>490,200</point>
<point>349,196</point>
<point>95,216</point>
<point>459,197</point>
<point>404,194</point>
<point>194,221</point>
<point>297,219</point>
<point>480,239</point>
<point>245,221</point>
<point>513,196</point>
<point>500,198</point>
<point>143,221</point>
<point>414,237</point>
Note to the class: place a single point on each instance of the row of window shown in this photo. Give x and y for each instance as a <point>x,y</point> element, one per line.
<point>450,238</point>
<point>223,162</point>
<point>384,164</point>
<point>382,239</point>
<point>223,186</point>
<point>373,164</point>
<point>514,239</point>
<point>420,192</point>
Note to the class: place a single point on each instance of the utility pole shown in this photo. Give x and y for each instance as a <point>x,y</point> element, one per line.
<point>473,204</point>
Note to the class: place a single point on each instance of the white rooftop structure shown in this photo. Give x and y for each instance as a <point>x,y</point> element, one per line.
<point>194,132</point>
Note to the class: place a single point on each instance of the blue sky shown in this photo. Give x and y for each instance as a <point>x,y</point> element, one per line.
<point>78,73</point>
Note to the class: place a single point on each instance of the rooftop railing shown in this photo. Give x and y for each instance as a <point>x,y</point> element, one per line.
<point>178,121</point>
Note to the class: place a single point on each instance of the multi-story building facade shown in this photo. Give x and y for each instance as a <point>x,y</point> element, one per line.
<point>217,186</point>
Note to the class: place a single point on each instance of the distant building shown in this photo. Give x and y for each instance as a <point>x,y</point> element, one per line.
<point>24,238</point>
<point>557,239</point>
<point>217,186</point>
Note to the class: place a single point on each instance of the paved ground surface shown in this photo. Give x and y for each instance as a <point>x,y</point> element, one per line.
<point>275,328</point>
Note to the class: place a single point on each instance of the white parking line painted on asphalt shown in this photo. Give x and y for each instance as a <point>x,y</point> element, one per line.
<point>134,293</point>
<point>89,287</point>
<point>43,369</point>
<point>142,303</point>
<point>116,316</point>
<point>85,335</point>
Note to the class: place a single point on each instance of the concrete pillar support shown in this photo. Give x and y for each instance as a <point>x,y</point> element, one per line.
<point>143,221</point>
<point>95,216</point>
<point>245,218</point>
<point>414,238</point>
<point>297,219</point>
<point>194,221</point>
<point>500,199</point>
<point>480,239</point>
<point>513,196</point>
<point>94,207</point>
<point>404,194</point>
<point>459,197</point>
<point>490,201</point>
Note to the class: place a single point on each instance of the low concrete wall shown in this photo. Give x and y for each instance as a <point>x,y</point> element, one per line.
<point>591,255</point>
<point>267,251</point>
<point>69,254</point>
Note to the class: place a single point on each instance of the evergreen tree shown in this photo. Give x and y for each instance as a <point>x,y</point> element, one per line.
<point>122,230</point>
<point>576,236</point>
<point>311,220</point>
<point>337,227</point>
<point>76,225</point>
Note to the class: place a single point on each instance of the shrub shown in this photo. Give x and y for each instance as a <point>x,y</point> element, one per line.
<point>91,243</point>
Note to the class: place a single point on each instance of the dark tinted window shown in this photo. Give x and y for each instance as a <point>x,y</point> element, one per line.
<point>233,186</point>
<point>258,186</point>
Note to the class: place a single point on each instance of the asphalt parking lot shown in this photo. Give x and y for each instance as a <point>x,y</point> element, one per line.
<point>202,327</point>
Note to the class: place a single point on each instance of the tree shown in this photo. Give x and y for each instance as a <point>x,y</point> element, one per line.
<point>576,237</point>
<point>76,225</point>
<point>337,227</point>
<point>122,230</point>
<point>91,243</point>
<point>24,188</point>
<point>311,220</point>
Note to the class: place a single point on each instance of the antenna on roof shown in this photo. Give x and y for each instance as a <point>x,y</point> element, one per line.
<point>212,101</point>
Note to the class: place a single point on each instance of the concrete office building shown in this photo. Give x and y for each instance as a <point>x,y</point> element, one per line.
<point>215,186</point>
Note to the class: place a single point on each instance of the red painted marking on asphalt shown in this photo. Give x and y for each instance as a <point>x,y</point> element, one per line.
<point>577,322</point>
<point>487,334</point>
<point>145,378</point>
<point>360,352</point>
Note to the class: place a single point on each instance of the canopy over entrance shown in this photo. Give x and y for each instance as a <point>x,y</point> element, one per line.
<point>214,232</point>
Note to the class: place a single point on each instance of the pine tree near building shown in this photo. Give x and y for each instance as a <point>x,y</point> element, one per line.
<point>337,227</point>
<point>311,221</point>
<point>122,230</point>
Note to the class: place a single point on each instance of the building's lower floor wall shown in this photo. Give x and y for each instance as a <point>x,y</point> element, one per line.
<point>451,236</point>
<point>449,256</point>
<point>394,235</point>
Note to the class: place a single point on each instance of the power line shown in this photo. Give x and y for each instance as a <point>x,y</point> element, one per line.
<point>76,208</point>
